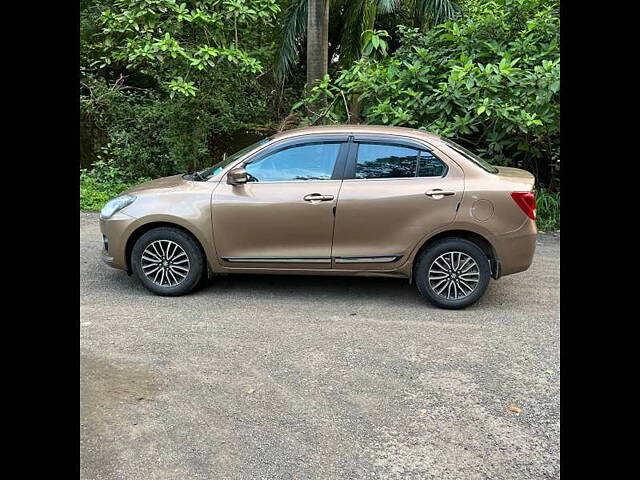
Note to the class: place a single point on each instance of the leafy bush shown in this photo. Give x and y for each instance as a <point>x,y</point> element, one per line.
<point>162,79</point>
<point>101,184</point>
<point>147,133</point>
<point>547,210</point>
<point>490,78</point>
<point>177,43</point>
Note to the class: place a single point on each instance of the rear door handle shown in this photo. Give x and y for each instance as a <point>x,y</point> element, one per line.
<point>317,197</point>
<point>438,193</point>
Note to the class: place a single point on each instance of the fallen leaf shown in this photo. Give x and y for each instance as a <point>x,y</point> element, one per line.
<point>549,372</point>
<point>514,409</point>
<point>250,391</point>
<point>423,412</point>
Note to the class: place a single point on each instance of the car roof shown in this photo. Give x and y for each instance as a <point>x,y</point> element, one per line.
<point>356,129</point>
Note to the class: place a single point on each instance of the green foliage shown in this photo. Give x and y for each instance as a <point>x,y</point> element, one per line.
<point>359,16</point>
<point>149,134</point>
<point>433,12</point>
<point>169,41</point>
<point>293,28</point>
<point>92,196</point>
<point>349,20</point>
<point>101,184</point>
<point>490,78</point>
<point>162,79</point>
<point>374,43</point>
<point>547,210</point>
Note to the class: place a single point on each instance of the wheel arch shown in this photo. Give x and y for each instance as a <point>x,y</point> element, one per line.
<point>480,240</point>
<point>144,228</point>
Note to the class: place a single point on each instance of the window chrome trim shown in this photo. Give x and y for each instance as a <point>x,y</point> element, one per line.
<point>389,139</point>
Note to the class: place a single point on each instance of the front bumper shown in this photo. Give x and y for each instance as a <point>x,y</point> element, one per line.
<point>116,231</point>
<point>108,259</point>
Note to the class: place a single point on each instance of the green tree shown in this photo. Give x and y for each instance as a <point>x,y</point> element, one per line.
<point>490,79</point>
<point>162,79</point>
<point>317,40</point>
<point>345,21</point>
<point>174,42</point>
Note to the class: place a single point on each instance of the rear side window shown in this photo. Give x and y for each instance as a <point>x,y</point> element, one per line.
<point>386,160</point>
<point>430,166</point>
<point>472,156</point>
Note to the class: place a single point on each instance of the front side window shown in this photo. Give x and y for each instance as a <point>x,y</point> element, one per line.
<point>309,161</point>
<point>218,167</point>
<point>382,160</point>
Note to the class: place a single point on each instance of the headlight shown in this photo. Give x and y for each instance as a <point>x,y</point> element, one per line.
<point>115,205</point>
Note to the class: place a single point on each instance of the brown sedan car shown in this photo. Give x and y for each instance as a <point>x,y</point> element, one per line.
<point>347,200</point>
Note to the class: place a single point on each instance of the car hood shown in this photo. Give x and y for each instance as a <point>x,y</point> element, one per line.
<point>164,183</point>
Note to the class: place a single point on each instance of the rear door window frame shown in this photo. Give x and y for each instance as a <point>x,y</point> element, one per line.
<point>354,143</point>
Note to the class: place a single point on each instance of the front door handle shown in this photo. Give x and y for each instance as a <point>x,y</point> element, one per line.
<point>317,197</point>
<point>438,193</point>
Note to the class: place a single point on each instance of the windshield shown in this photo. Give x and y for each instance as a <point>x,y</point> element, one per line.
<point>218,167</point>
<point>472,156</point>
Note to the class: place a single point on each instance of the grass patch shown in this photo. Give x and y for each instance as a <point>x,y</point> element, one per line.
<point>548,210</point>
<point>93,196</point>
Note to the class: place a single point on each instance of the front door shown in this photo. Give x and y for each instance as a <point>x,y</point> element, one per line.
<point>282,218</point>
<point>393,195</point>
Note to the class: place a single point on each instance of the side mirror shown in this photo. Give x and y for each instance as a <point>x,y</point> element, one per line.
<point>237,176</point>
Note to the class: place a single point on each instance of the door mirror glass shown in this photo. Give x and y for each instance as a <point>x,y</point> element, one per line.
<point>237,176</point>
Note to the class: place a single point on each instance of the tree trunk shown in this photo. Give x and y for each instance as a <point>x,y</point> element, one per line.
<point>317,41</point>
<point>355,109</point>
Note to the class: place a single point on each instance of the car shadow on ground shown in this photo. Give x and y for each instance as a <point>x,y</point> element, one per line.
<point>356,290</point>
<point>307,285</point>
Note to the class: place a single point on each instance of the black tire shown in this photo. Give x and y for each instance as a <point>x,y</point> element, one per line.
<point>446,246</point>
<point>193,251</point>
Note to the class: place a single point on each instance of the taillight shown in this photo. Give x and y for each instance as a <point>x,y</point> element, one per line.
<point>527,203</point>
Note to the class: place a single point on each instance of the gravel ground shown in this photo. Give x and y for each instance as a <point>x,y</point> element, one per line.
<point>317,377</point>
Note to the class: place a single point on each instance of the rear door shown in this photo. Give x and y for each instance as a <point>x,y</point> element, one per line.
<point>282,218</point>
<point>395,192</point>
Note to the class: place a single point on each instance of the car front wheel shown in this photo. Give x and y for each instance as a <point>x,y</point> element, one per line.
<point>453,273</point>
<point>167,261</point>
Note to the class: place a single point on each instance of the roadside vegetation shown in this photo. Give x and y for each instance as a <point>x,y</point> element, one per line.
<point>548,210</point>
<point>167,86</point>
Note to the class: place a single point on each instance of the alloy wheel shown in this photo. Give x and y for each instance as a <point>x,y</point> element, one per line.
<point>453,275</point>
<point>165,263</point>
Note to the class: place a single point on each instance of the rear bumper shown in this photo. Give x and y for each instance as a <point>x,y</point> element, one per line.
<point>515,250</point>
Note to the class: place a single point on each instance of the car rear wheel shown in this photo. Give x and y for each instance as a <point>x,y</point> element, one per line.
<point>167,261</point>
<point>452,273</point>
